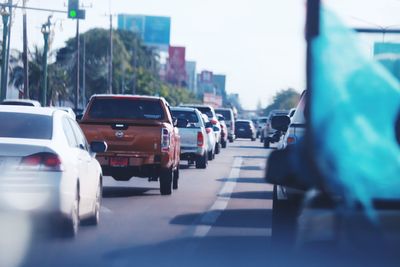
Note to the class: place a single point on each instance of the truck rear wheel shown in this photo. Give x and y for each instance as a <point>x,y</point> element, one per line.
<point>166,182</point>
<point>266,142</point>
<point>201,161</point>
<point>175,178</point>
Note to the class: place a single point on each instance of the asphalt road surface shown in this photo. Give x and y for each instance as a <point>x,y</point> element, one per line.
<point>220,216</point>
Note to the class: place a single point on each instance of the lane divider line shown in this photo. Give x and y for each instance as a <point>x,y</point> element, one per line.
<point>211,216</point>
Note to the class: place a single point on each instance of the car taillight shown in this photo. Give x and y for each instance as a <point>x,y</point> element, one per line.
<point>165,140</point>
<point>208,130</point>
<point>291,140</point>
<point>200,139</point>
<point>44,161</point>
<point>214,122</point>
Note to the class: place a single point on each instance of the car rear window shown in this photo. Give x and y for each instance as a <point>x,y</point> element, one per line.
<point>206,110</point>
<point>243,124</point>
<point>29,126</point>
<point>187,115</point>
<point>226,113</point>
<point>123,108</point>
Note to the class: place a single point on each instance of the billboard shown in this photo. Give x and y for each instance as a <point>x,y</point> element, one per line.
<point>206,77</point>
<point>212,99</point>
<point>389,55</point>
<point>191,75</point>
<point>155,31</point>
<point>176,69</point>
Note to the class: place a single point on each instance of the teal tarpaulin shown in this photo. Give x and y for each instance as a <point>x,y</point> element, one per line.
<point>355,103</point>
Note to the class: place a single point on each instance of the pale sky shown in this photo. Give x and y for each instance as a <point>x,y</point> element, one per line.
<point>258,44</point>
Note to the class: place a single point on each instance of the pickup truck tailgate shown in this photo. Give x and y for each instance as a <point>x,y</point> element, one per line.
<point>189,137</point>
<point>124,137</point>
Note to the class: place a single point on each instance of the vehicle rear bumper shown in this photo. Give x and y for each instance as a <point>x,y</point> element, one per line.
<point>188,153</point>
<point>35,192</point>
<point>126,173</point>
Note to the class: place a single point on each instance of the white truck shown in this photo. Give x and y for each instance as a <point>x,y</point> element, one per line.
<point>194,140</point>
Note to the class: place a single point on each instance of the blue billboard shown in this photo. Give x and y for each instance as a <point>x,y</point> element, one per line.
<point>389,55</point>
<point>154,30</point>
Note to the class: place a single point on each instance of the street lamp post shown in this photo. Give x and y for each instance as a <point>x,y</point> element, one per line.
<point>46,33</point>
<point>5,15</point>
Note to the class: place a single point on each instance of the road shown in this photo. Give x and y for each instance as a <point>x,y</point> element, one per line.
<point>220,216</point>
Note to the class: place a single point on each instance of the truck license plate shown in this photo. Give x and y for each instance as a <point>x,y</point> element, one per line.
<point>119,162</point>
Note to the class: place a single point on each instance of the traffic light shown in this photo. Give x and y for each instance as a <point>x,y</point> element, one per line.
<point>73,9</point>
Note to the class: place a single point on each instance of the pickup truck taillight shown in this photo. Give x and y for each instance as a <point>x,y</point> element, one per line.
<point>200,139</point>
<point>165,140</point>
<point>41,162</point>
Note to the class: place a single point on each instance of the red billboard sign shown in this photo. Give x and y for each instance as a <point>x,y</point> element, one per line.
<point>176,70</point>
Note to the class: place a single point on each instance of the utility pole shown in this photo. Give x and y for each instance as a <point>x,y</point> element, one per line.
<point>77,54</point>
<point>10,3</point>
<point>25,52</point>
<point>46,33</point>
<point>5,15</point>
<point>110,59</point>
<point>84,73</point>
<point>134,64</point>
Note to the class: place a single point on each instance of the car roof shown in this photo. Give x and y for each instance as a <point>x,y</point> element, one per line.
<point>184,109</point>
<point>128,96</point>
<point>28,110</point>
<point>197,105</point>
<point>224,109</point>
<point>26,101</point>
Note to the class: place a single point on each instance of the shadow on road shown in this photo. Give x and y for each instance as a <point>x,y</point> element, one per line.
<point>120,192</point>
<point>251,168</point>
<point>242,218</point>
<point>254,157</point>
<point>251,180</point>
<point>251,195</point>
<point>196,252</point>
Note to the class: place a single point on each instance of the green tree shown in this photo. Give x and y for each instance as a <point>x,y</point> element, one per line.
<point>284,100</point>
<point>134,66</point>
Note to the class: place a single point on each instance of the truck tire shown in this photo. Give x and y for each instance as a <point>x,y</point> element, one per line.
<point>211,155</point>
<point>175,178</point>
<point>201,161</point>
<point>224,143</point>
<point>166,182</point>
<point>217,148</point>
<point>266,142</point>
<point>284,221</point>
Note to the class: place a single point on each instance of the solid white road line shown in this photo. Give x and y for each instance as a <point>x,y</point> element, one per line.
<point>221,203</point>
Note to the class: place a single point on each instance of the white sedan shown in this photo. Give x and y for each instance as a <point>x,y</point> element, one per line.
<point>47,166</point>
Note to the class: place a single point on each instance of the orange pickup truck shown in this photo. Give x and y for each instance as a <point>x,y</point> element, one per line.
<point>141,136</point>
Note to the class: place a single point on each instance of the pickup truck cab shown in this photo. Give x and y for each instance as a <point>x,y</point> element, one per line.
<point>141,136</point>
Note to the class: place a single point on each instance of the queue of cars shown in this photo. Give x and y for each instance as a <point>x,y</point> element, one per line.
<point>54,166</point>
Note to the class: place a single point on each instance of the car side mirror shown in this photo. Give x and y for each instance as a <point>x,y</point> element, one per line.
<point>98,146</point>
<point>280,123</point>
<point>182,123</point>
